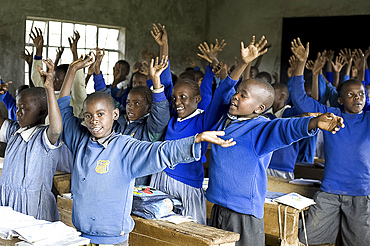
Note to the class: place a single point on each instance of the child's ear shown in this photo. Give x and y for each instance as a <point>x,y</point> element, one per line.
<point>198,99</point>
<point>260,109</point>
<point>340,101</point>
<point>115,114</point>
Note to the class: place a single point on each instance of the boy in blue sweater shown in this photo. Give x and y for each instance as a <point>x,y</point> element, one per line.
<point>238,180</point>
<point>343,204</point>
<point>106,163</point>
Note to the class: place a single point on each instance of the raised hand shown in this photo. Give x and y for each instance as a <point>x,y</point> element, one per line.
<point>47,76</point>
<point>329,55</point>
<point>100,53</point>
<point>300,52</point>
<point>4,86</point>
<point>214,138</point>
<point>319,62</point>
<point>339,63</point>
<point>207,54</point>
<point>218,47</point>
<point>159,34</point>
<point>358,59</point>
<point>293,65</point>
<point>82,62</point>
<point>60,51</point>
<point>157,67</point>
<point>38,40</point>
<point>347,55</point>
<point>27,56</point>
<point>252,51</point>
<point>73,44</point>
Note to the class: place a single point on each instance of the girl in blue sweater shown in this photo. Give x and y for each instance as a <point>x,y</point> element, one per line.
<point>185,181</point>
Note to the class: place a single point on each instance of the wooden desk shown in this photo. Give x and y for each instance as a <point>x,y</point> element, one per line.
<point>162,233</point>
<point>308,171</point>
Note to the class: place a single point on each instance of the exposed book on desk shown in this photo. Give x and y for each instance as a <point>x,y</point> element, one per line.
<point>308,182</point>
<point>295,200</point>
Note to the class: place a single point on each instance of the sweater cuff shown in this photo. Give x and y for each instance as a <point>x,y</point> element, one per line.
<point>99,82</point>
<point>159,97</point>
<point>37,57</point>
<point>64,101</point>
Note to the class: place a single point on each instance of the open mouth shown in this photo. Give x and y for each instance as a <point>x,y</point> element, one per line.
<point>179,109</point>
<point>96,130</point>
<point>233,104</point>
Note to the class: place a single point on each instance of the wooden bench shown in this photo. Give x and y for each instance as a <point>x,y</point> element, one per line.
<point>156,232</point>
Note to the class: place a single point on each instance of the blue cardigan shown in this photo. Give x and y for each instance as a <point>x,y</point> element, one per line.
<point>103,177</point>
<point>347,156</point>
<point>237,175</point>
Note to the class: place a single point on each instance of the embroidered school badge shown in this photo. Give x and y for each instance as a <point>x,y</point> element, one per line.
<point>102,166</point>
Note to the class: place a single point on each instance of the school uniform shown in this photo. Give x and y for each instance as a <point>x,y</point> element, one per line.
<point>237,175</point>
<point>29,166</point>
<point>344,202</point>
<point>104,171</point>
<point>186,180</point>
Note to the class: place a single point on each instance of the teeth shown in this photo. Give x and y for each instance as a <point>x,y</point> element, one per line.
<point>181,108</point>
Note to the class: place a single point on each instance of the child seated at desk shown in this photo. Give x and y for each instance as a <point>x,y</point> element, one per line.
<point>237,175</point>
<point>106,163</point>
<point>32,152</point>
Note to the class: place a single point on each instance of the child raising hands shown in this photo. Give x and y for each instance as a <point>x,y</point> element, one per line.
<point>32,151</point>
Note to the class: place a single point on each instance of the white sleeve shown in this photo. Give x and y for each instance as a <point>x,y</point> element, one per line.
<point>35,76</point>
<point>3,129</point>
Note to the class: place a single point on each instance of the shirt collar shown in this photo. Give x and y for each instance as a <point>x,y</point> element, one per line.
<point>104,140</point>
<point>27,132</point>
<point>130,121</point>
<point>196,112</point>
<point>234,117</point>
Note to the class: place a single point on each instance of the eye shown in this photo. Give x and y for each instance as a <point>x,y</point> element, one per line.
<point>183,96</point>
<point>87,116</point>
<point>362,93</point>
<point>137,104</point>
<point>244,96</point>
<point>100,114</point>
<point>349,94</point>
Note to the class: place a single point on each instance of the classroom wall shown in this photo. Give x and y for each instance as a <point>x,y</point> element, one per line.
<point>184,20</point>
<point>188,23</point>
<point>238,20</point>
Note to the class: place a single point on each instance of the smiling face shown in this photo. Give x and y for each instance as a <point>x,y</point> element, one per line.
<point>184,99</point>
<point>352,97</point>
<point>136,106</point>
<point>248,101</point>
<point>99,116</point>
<point>28,112</point>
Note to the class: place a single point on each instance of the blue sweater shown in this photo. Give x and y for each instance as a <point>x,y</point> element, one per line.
<point>103,178</point>
<point>347,156</point>
<point>237,175</point>
<point>192,173</point>
<point>284,159</point>
<point>10,104</point>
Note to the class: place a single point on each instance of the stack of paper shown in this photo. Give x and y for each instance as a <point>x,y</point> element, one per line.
<point>37,232</point>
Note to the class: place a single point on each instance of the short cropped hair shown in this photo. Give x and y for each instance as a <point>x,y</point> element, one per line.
<point>145,92</point>
<point>99,95</point>
<point>281,87</point>
<point>265,76</point>
<point>124,64</point>
<point>267,98</point>
<point>38,96</point>
<point>346,83</point>
<point>193,85</point>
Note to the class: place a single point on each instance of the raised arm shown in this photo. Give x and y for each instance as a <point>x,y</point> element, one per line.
<point>348,57</point>
<point>38,41</point>
<point>248,54</point>
<point>337,67</point>
<point>159,34</point>
<point>55,118</point>
<point>28,57</point>
<point>73,44</point>
<point>329,55</point>
<point>60,51</point>
<point>316,71</point>
<point>71,72</point>
<point>359,64</point>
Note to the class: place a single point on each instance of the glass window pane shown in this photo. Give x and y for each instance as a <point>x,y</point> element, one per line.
<point>29,24</point>
<point>82,31</point>
<point>103,35</point>
<point>67,31</point>
<point>113,58</point>
<point>52,53</point>
<point>112,39</point>
<point>54,33</point>
<point>91,36</point>
<point>67,57</point>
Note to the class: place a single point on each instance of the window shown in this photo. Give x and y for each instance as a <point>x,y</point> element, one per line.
<point>56,34</point>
